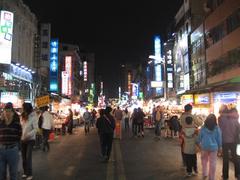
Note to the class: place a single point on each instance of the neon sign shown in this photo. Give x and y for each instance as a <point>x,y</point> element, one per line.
<point>54,65</point>
<point>6,32</point>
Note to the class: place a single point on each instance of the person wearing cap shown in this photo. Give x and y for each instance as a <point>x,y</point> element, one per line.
<point>10,135</point>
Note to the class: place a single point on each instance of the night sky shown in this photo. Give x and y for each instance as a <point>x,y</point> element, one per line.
<point>116,31</point>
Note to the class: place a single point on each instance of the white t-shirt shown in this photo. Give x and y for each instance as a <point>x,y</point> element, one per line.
<point>47,120</point>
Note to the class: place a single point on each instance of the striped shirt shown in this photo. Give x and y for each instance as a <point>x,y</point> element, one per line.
<point>10,134</point>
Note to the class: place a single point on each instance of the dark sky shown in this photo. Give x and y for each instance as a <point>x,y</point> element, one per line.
<point>116,31</point>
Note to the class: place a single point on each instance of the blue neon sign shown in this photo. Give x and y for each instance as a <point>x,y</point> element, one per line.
<point>157,62</point>
<point>54,65</point>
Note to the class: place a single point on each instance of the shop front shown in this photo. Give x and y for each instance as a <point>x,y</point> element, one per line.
<point>202,104</point>
<point>16,86</point>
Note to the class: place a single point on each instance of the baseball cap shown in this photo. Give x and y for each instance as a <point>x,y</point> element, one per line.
<point>9,105</point>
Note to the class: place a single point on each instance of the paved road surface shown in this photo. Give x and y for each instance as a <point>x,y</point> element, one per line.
<point>76,157</point>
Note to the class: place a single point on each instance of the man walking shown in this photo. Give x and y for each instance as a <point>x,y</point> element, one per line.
<point>157,116</point>
<point>87,119</point>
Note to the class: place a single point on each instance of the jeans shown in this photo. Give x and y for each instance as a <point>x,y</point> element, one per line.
<point>126,120</point>
<point>211,158</point>
<point>191,162</point>
<point>27,147</point>
<point>87,127</point>
<point>158,128</point>
<point>232,147</point>
<point>46,133</point>
<point>9,157</point>
<point>106,143</point>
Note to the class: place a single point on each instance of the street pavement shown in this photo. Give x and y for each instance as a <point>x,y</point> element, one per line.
<point>77,157</point>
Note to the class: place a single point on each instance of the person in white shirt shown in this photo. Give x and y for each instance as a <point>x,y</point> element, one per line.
<point>29,124</point>
<point>47,126</point>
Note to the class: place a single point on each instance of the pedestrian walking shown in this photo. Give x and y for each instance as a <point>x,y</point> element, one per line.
<point>134,122</point>
<point>47,127</point>
<point>29,125</point>
<point>158,115</point>
<point>228,122</point>
<point>195,124</point>
<point>118,115</point>
<point>140,122</point>
<point>106,126</point>
<point>126,117</point>
<point>87,117</point>
<point>10,135</point>
<point>210,143</point>
<point>189,147</point>
<point>94,116</point>
<point>70,121</point>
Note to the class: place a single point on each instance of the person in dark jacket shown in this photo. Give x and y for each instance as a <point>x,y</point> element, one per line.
<point>10,134</point>
<point>228,122</point>
<point>106,126</point>
<point>70,121</point>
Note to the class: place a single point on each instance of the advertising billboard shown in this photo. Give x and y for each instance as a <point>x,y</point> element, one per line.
<point>54,65</point>
<point>68,69</point>
<point>6,33</point>
<point>64,82</point>
<point>202,98</point>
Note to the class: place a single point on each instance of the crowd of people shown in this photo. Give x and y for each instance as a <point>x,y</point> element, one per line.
<point>19,134</point>
<point>213,137</point>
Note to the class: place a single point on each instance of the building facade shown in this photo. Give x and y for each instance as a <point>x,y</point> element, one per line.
<point>18,75</point>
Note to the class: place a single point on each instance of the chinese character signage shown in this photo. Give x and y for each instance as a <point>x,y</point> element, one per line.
<point>68,69</point>
<point>85,71</point>
<point>6,33</point>
<point>54,65</point>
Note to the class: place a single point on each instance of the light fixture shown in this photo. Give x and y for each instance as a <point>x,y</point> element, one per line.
<point>17,64</point>
<point>33,72</point>
<point>22,66</point>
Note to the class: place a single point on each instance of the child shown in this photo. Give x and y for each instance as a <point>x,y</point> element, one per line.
<point>189,146</point>
<point>210,142</point>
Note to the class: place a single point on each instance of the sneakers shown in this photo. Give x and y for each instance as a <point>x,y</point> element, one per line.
<point>29,178</point>
<point>195,173</point>
<point>188,175</point>
<point>24,176</point>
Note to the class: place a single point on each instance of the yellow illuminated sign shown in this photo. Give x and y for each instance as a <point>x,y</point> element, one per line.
<point>42,101</point>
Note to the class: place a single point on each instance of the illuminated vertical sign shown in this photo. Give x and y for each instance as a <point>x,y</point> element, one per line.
<point>129,83</point>
<point>65,82</point>
<point>85,71</point>
<point>54,65</point>
<point>68,69</point>
<point>169,69</point>
<point>6,32</point>
<point>157,63</point>
<point>135,90</point>
<point>101,87</point>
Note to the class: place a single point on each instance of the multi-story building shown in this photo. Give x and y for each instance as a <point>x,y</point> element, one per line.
<point>17,74</point>
<point>70,67</point>
<point>222,29</point>
<point>189,16</point>
<point>88,85</point>
<point>44,57</point>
